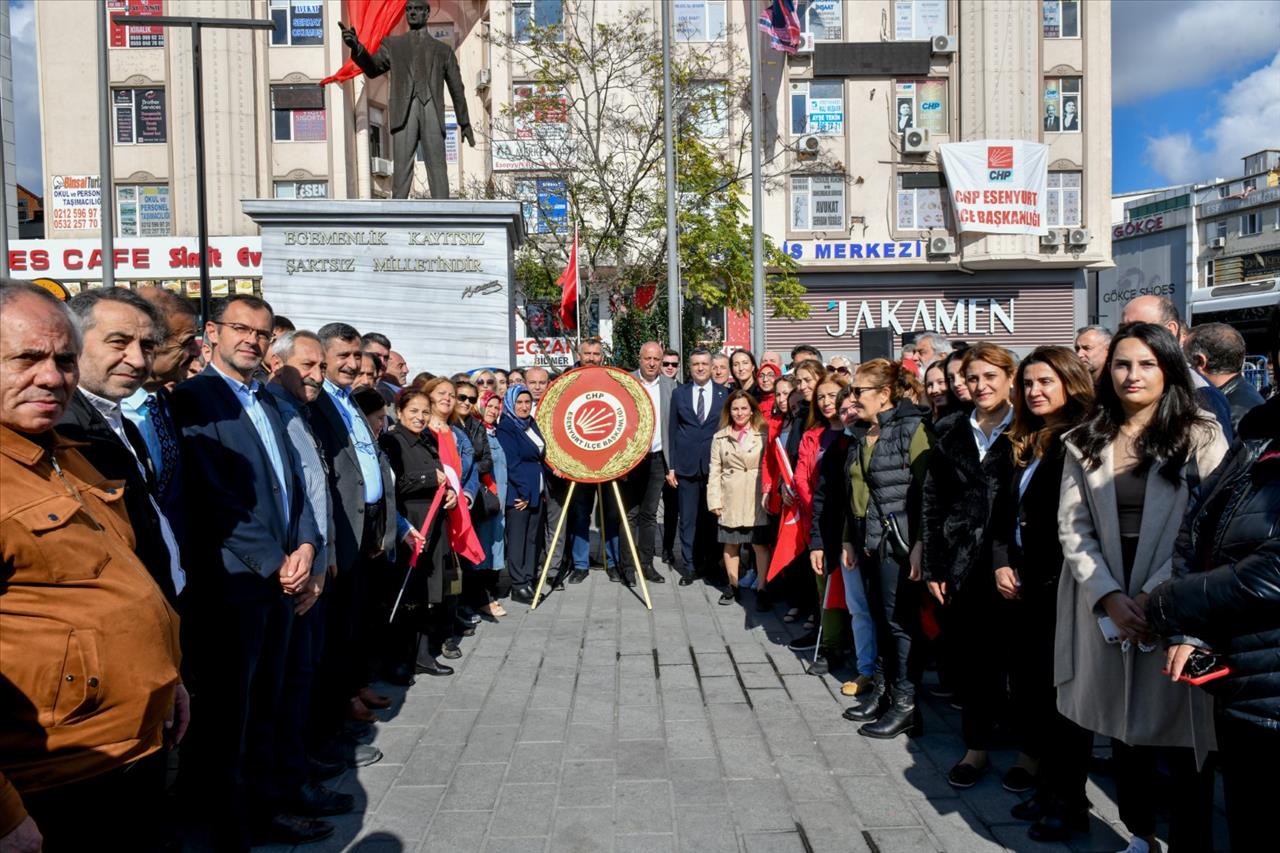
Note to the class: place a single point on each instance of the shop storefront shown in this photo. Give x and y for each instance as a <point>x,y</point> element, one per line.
<point>1017,309</point>
<point>235,263</point>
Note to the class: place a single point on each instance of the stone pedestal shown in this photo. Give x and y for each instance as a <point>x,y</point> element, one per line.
<point>436,277</point>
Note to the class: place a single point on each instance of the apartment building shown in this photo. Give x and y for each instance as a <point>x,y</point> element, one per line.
<point>852,123</point>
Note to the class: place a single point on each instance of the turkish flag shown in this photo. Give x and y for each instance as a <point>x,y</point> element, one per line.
<point>373,21</point>
<point>568,282</point>
<point>835,592</point>
<point>792,537</point>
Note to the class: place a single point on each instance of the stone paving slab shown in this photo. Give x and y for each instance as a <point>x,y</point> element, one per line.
<point>592,724</point>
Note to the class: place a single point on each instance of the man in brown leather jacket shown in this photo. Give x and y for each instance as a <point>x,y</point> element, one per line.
<point>89,686</point>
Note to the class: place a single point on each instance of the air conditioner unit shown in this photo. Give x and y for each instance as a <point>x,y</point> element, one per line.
<point>945,44</point>
<point>916,141</point>
<point>1078,237</point>
<point>1052,237</point>
<point>806,43</point>
<point>808,144</point>
<point>382,167</point>
<point>484,77</point>
<point>1218,243</point>
<point>942,244</point>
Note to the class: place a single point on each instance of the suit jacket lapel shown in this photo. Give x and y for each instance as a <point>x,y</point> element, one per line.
<point>243,421</point>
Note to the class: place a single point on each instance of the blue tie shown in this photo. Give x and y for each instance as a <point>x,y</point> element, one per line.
<point>701,411</point>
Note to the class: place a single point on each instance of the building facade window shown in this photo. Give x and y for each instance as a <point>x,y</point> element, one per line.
<point>922,201</point>
<point>297,113</point>
<point>1209,272</point>
<point>1061,19</point>
<point>139,116</point>
<point>528,14</point>
<point>708,109</point>
<point>817,203</point>
<point>915,20</point>
<point>297,22</point>
<point>545,202</point>
<point>1250,224</point>
<point>817,106</point>
<point>1142,211</point>
<point>539,111</point>
<point>1218,229</point>
<point>302,189</point>
<point>698,20</point>
<point>823,19</point>
<point>143,210</point>
<point>377,132</point>
<point>1063,110</point>
<point>1062,202</point>
<point>920,103</point>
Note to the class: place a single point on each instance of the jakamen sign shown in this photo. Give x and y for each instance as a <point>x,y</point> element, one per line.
<point>997,186</point>
<point>962,317</point>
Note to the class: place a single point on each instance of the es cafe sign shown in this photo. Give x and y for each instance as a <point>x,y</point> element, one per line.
<point>137,257</point>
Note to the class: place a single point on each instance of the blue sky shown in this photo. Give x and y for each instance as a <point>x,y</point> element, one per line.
<point>1195,86</point>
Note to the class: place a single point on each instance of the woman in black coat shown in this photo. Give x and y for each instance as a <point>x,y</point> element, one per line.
<point>971,462</point>
<point>1052,394</point>
<point>1224,599</point>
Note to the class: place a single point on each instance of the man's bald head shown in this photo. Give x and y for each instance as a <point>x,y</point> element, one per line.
<point>650,360</point>
<point>1153,309</point>
<point>536,380</point>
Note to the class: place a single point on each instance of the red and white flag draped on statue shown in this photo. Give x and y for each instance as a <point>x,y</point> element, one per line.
<point>568,282</point>
<point>373,21</point>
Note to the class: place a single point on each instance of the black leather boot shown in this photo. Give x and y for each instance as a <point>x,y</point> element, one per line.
<point>871,708</point>
<point>902,716</point>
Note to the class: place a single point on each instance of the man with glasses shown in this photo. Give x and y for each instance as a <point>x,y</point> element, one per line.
<point>671,364</point>
<point>670,503</point>
<point>363,530</point>
<point>251,542</point>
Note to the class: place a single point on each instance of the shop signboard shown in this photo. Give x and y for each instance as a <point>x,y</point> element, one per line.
<point>75,202</point>
<point>1147,264</point>
<point>997,185</point>
<point>135,257</point>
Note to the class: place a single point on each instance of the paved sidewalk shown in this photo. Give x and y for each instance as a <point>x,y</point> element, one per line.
<point>592,724</point>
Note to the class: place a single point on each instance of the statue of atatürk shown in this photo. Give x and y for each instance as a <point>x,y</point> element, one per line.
<point>420,67</point>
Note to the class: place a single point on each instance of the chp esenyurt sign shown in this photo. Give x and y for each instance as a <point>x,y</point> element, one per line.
<point>598,424</point>
<point>997,186</point>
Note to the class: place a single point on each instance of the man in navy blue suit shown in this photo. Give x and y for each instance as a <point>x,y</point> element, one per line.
<point>250,545</point>
<point>695,417</point>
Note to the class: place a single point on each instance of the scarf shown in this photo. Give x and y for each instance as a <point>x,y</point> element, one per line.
<point>509,406</point>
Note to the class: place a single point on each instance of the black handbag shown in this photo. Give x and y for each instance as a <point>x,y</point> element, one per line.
<point>486,504</point>
<point>891,535</point>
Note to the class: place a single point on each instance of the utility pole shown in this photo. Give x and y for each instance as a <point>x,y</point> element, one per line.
<point>673,257</point>
<point>757,200</point>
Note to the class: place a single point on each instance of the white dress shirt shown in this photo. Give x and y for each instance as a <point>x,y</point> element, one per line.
<point>983,440</point>
<point>654,390</point>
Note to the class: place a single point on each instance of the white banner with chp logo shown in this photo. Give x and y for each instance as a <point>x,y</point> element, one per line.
<point>997,186</point>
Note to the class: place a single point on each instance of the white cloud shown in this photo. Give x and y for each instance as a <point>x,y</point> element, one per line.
<point>1247,119</point>
<point>26,94</point>
<point>1159,46</point>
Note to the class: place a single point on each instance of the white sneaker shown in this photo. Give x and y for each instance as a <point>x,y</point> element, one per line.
<point>1137,845</point>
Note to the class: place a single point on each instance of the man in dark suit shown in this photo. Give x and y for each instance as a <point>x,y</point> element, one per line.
<point>363,503</point>
<point>694,419</point>
<point>1051,122</point>
<point>643,485</point>
<point>421,67</point>
<point>121,330</point>
<point>251,544</point>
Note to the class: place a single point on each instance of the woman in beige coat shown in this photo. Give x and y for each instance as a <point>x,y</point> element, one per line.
<point>735,492</point>
<point>1125,483</point>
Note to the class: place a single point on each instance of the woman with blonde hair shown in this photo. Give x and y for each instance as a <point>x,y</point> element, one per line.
<point>734,485</point>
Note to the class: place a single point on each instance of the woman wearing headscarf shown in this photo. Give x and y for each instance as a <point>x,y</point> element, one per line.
<point>491,527</point>
<point>524,449</point>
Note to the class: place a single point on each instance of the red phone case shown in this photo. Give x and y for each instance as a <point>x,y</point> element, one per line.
<point>1207,677</point>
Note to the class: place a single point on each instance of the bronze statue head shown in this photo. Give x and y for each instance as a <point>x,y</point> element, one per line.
<point>416,12</point>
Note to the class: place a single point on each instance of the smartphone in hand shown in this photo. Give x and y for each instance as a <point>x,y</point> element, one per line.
<point>1201,668</point>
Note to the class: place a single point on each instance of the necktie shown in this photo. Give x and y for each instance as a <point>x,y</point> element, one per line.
<point>168,442</point>
<point>702,405</point>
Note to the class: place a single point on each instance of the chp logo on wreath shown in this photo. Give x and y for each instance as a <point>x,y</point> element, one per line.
<point>598,424</point>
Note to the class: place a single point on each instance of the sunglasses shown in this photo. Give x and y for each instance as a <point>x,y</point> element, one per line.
<point>831,368</point>
<point>485,381</point>
<point>670,364</point>
<point>859,390</point>
<point>463,398</point>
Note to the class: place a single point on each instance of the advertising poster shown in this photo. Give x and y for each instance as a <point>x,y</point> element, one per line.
<point>450,136</point>
<point>151,115</point>
<point>997,186</point>
<point>307,23</point>
<point>135,36</point>
<point>75,202</point>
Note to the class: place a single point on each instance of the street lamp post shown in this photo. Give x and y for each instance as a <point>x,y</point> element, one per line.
<point>196,25</point>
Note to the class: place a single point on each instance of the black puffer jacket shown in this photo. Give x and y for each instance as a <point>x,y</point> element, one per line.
<point>1226,585</point>
<point>959,491</point>
<point>891,474</point>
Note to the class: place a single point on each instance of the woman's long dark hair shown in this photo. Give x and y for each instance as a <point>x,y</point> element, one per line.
<point>1167,440</point>
<point>954,403</point>
<point>1030,435</point>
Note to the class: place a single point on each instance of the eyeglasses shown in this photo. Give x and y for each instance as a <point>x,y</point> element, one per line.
<point>859,390</point>
<point>670,364</point>
<point>245,331</point>
<point>463,398</point>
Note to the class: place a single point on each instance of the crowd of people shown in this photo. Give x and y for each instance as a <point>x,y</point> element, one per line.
<point>1068,539</point>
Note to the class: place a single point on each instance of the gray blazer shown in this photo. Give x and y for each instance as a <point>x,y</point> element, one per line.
<point>346,485</point>
<point>666,385</point>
